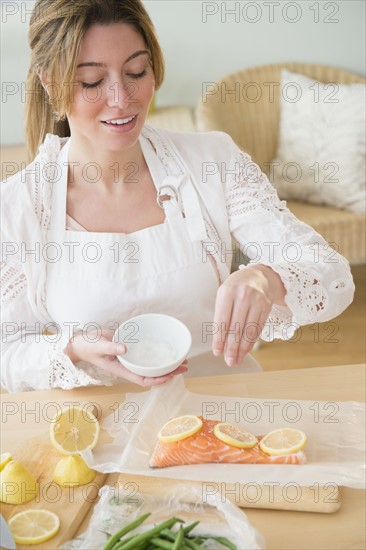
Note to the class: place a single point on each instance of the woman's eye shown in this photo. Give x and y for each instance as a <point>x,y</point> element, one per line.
<point>95,84</point>
<point>92,85</point>
<point>138,75</point>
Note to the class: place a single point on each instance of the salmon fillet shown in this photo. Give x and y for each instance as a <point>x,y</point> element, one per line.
<point>204,447</point>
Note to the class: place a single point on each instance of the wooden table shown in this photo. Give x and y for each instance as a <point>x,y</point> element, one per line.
<point>25,415</point>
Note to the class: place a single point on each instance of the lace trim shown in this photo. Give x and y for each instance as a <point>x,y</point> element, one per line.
<point>259,193</point>
<point>305,295</point>
<point>13,283</point>
<point>49,151</point>
<point>279,324</point>
<point>63,373</point>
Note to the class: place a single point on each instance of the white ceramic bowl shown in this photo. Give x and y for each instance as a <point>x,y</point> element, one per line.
<point>156,344</point>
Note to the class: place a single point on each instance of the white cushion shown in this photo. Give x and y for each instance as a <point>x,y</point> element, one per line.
<point>321,153</point>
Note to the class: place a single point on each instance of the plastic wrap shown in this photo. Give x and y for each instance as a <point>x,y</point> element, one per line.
<point>336,437</point>
<point>117,508</point>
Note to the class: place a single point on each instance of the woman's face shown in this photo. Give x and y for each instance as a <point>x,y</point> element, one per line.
<point>113,89</point>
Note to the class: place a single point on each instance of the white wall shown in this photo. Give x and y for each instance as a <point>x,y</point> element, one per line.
<point>202,46</point>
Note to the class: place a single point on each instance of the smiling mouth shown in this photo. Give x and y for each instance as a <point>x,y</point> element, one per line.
<point>119,121</point>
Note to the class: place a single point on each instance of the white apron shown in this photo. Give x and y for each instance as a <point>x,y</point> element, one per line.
<point>99,280</point>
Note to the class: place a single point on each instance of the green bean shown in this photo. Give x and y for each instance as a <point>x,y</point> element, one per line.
<point>161,537</point>
<point>168,534</point>
<point>147,535</point>
<point>192,545</point>
<point>178,541</point>
<point>144,545</point>
<point>123,541</point>
<point>160,543</point>
<point>126,529</point>
<point>190,528</point>
<point>225,542</point>
<point>171,535</point>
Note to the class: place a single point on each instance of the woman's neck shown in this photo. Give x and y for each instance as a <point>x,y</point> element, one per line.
<point>104,167</point>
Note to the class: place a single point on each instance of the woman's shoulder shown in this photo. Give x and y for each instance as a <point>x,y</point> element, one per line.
<point>25,190</point>
<point>32,173</point>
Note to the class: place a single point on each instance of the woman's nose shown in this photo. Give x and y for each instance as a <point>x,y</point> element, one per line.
<point>121,94</point>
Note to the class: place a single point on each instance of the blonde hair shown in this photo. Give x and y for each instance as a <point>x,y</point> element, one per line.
<point>55,33</point>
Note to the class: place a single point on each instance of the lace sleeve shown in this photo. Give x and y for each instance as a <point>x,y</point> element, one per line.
<point>29,358</point>
<point>318,281</point>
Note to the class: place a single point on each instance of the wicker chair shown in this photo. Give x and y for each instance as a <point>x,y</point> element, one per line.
<point>254,127</point>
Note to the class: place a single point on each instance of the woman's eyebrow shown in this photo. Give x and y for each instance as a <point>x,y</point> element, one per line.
<point>95,64</point>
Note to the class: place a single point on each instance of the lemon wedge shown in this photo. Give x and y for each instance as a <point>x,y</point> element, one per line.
<point>34,526</point>
<point>4,459</point>
<point>17,484</point>
<point>74,429</point>
<point>234,436</point>
<point>72,470</point>
<point>283,441</point>
<point>179,428</point>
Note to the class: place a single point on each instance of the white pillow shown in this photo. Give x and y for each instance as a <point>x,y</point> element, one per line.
<point>321,153</point>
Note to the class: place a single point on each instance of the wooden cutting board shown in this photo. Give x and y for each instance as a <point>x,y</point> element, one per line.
<point>305,499</point>
<point>70,504</point>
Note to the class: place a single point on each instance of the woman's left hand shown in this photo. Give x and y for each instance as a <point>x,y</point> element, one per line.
<point>243,304</point>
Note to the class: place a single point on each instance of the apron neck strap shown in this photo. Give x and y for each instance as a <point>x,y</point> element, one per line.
<point>179,186</point>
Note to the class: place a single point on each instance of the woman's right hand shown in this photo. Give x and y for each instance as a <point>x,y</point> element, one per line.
<point>102,353</point>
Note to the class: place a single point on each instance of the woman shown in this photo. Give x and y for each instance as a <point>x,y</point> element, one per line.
<point>121,219</point>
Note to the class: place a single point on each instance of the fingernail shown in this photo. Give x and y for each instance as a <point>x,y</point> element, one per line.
<point>216,352</point>
<point>121,348</point>
<point>230,361</point>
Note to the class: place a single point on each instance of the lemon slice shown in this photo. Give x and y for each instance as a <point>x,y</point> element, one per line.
<point>33,526</point>
<point>74,429</point>
<point>72,470</point>
<point>283,441</point>
<point>179,428</point>
<point>4,459</point>
<point>234,436</point>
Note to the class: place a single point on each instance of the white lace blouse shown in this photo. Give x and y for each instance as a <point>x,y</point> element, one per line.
<point>239,205</point>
